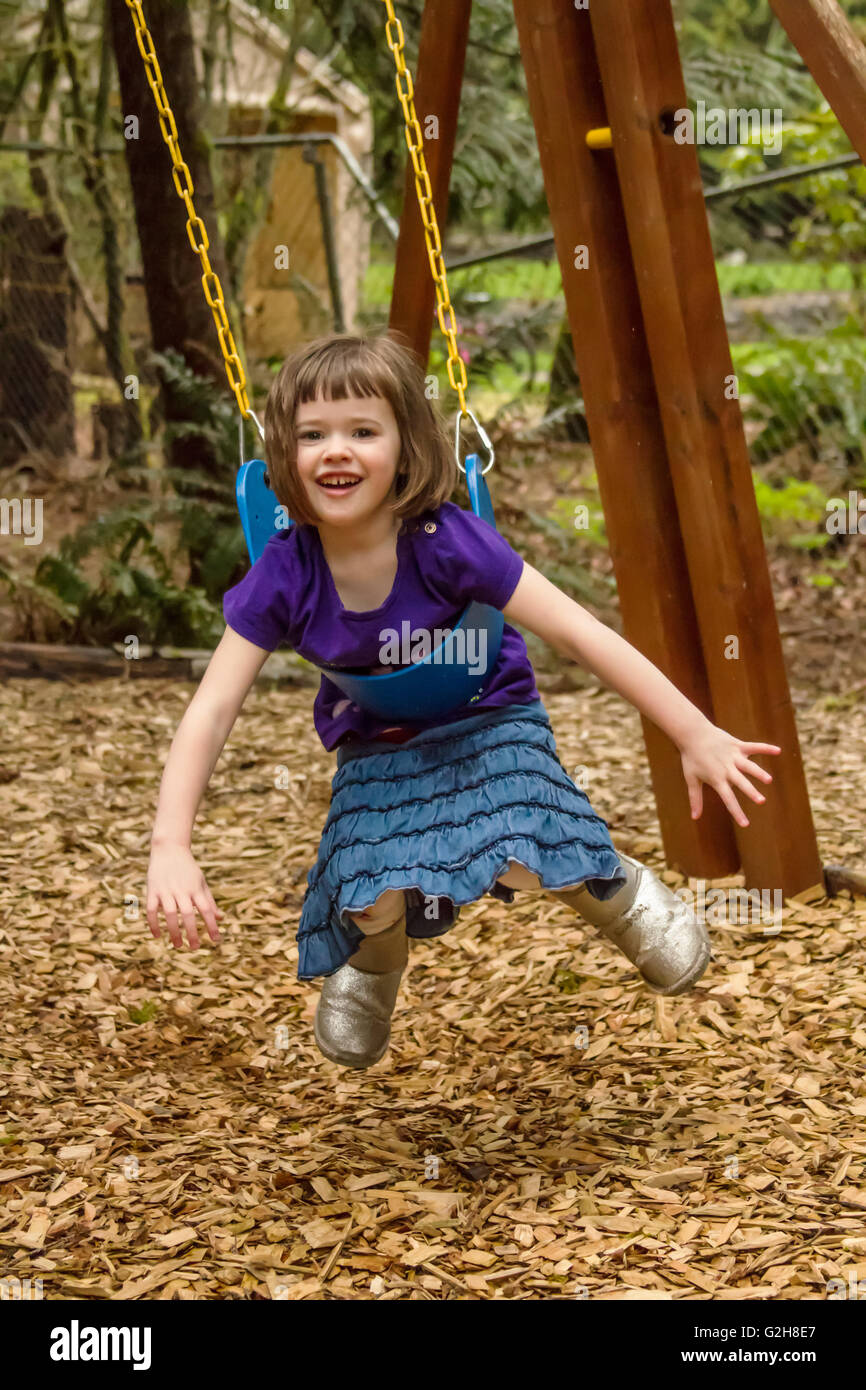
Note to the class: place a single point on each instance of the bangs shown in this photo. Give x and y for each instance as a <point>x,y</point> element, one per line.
<point>354,369</point>
<point>336,367</point>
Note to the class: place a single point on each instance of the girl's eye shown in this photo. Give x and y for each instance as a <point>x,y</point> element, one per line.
<point>314,434</point>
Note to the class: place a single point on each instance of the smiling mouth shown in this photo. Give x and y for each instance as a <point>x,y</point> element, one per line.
<point>334,485</point>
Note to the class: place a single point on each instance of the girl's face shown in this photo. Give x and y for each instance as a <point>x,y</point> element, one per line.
<point>354,442</point>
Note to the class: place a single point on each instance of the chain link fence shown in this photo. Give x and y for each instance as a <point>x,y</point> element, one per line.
<point>294,211</point>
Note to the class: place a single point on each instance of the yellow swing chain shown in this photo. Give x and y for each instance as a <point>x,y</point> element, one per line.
<point>194,227</point>
<point>424,190</point>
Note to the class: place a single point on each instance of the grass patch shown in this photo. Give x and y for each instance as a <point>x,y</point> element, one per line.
<point>516,278</point>
<point>783,277</point>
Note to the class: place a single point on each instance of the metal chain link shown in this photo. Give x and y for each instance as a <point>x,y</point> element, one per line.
<point>195,228</point>
<point>415,144</point>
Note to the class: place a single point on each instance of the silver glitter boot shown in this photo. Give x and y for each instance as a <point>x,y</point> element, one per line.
<point>654,928</point>
<point>353,1018</point>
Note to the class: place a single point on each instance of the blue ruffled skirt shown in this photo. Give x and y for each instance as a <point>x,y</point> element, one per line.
<point>440,816</point>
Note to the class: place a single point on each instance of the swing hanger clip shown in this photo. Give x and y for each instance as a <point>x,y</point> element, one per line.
<point>250,415</point>
<point>482,435</point>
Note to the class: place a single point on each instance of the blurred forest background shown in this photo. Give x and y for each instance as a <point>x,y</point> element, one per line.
<point>115,407</point>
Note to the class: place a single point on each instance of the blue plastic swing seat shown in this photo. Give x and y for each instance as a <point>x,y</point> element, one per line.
<point>437,684</point>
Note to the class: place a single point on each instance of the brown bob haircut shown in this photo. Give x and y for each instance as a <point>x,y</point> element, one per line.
<point>342,365</point>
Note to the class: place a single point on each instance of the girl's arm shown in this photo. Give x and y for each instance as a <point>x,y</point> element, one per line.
<point>709,754</point>
<point>202,733</point>
<point>175,883</point>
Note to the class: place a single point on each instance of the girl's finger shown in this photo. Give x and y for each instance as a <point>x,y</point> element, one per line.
<point>209,911</point>
<point>152,914</point>
<point>746,765</point>
<point>738,780</point>
<point>187,912</point>
<point>169,907</point>
<point>204,895</point>
<point>732,804</point>
<point>760,747</point>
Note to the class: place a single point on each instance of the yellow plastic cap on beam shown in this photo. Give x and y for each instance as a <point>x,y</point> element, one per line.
<point>600,139</point>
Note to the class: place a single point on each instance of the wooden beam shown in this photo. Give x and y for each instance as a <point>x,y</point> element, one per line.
<point>709,462</point>
<point>441,60</point>
<point>622,409</point>
<point>825,40</point>
<point>50,661</point>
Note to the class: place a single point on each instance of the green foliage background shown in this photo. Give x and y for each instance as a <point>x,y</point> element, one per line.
<point>803,397</point>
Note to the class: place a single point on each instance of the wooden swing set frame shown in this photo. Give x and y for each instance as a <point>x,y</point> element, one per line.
<point>653,356</point>
<point>632,238</point>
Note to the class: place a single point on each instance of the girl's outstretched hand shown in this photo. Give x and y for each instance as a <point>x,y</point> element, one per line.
<point>176,884</point>
<point>720,760</point>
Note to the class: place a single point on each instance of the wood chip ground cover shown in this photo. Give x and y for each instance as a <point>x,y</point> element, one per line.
<point>170,1130</point>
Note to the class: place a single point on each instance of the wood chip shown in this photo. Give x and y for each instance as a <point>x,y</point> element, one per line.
<point>171,1129</point>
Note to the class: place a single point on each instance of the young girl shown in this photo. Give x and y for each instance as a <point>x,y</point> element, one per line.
<point>430,815</point>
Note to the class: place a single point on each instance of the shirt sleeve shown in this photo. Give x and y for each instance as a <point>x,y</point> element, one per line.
<point>471,559</point>
<point>258,608</point>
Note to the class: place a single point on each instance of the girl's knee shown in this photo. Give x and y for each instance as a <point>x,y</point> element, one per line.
<point>518,876</point>
<point>387,910</point>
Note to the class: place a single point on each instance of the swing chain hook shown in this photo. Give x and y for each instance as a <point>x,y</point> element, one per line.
<point>255,419</point>
<point>251,415</point>
<point>482,435</point>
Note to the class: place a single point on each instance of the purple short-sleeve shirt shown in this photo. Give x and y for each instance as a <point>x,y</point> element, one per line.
<point>445,558</point>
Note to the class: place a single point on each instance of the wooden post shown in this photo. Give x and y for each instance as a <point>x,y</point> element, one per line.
<point>441,59</point>
<point>622,409</point>
<point>834,55</point>
<point>682,312</point>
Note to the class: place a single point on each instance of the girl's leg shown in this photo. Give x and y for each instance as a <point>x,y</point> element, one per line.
<point>353,1016</point>
<point>652,927</point>
<point>385,946</point>
<point>516,876</point>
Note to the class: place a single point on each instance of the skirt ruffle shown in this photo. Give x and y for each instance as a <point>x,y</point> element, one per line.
<point>440,816</point>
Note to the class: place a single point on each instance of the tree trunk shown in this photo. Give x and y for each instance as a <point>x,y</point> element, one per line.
<point>96,182</point>
<point>180,316</point>
<point>37,410</point>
